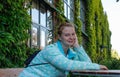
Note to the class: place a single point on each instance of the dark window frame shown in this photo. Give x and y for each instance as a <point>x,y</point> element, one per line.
<point>40,27</point>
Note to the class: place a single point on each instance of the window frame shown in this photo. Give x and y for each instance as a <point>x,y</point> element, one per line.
<point>39,26</point>
<point>69,9</point>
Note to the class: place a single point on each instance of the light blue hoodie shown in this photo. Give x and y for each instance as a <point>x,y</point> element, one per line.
<point>57,62</point>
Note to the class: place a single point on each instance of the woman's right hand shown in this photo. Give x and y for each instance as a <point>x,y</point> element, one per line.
<point>76,42</point>
<point>102,67</point>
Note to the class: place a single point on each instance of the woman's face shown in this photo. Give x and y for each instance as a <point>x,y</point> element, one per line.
<point>68,36</point>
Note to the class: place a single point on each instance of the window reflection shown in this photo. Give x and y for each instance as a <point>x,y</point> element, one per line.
<point>42,25</point>
<point>35,15</point>
<point>43,19</point>
<point>34,36</point>
<point>35,11</point>
<point>43,39</point>
<point>49,26</point>
<point>68,9</point>
<point>65,9</point>
<point>82,14</point>
<point>50,1</point>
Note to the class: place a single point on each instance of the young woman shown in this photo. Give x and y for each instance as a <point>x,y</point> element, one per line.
<point>57,59</point>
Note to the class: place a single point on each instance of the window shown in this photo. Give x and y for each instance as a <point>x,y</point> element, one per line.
<point>50,1</point>
<point>82,14</point>
<point>34,34</point>
<point>82,18</point>
<point>68,9</point>
<point>35,11</point>
<point>42,26</point>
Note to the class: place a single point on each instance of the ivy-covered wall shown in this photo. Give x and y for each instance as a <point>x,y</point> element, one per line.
<point>97,28</point>
<point>98,45</point>
<point>77,21</point>
<point>60,18</point>
<point>14,25</point>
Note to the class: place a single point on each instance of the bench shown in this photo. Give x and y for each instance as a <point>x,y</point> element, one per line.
<point>10,72</point>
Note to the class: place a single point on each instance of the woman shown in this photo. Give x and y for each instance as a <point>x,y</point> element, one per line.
<point>61,57</point>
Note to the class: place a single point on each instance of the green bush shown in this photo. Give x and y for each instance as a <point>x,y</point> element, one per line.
<point>112,63</point>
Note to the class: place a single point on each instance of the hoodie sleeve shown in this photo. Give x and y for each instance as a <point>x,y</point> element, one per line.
<point>55,58</point>
<point>81,54</point>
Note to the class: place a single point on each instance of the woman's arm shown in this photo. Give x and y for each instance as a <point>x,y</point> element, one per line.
<point>81,53</point>
<point>57,59</point>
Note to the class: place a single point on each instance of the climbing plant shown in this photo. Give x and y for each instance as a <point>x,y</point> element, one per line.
<point>77,21</point>
<point>59,16</point>
<point>98,31</point>
<point>15,23</point>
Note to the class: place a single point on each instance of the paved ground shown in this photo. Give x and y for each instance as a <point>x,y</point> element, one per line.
<point>10,72</point>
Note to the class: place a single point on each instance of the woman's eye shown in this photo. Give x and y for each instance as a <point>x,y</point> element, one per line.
<point>73,34</point>
<point>67,34</point>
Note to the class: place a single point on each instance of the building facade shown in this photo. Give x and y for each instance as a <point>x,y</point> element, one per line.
<point>46,16</point>
<point>43,20</point>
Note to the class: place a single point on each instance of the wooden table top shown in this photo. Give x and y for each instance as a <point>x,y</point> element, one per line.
<point>113,73</point>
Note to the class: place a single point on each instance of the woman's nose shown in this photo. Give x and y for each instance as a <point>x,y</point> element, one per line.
<point>72,36</point>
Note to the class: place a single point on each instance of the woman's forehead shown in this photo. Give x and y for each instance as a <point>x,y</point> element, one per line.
<point>68,29</point>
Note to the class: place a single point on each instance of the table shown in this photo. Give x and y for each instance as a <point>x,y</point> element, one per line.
<point>101,73</point>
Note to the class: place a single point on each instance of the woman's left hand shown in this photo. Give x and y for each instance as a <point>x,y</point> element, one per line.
<point>76,42</point>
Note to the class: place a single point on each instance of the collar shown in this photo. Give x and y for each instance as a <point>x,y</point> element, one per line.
<point>71,54</point>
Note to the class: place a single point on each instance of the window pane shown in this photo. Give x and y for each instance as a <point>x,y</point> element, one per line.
<point>69,13</point>
<point>43,19</point>
<point>42,16</point>
<point>68,2</point>
<point>42,24</point>
<point>50,1</point>
<point>42,39</point>
<point>65,9</point>
<point>49,27</point>
<point>42,35</point>
<point>49,20</point>
<point>82,14</point>
<point>34,36</point>
<point>68,9</point>
<point>35,11</point>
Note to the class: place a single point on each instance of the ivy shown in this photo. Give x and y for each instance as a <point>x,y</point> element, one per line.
<point>60,18</point>
<point>77,21</point>
<point>14,25</point>
<point>97,30</point>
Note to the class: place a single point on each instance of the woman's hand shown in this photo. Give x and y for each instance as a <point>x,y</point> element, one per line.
<point>76,42</point>
<point>102,67</point>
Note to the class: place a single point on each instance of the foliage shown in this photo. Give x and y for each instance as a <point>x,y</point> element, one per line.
<point>77,21</point>
<point>114,54</point>
<point>97,30</point>
<point>112,63</point>
<point>60,10</point>
<point>14,25</point>
<point>60,18</point>
<point>90,29</point>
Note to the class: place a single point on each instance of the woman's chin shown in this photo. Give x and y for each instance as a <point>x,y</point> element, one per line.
<point>71,45</point>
